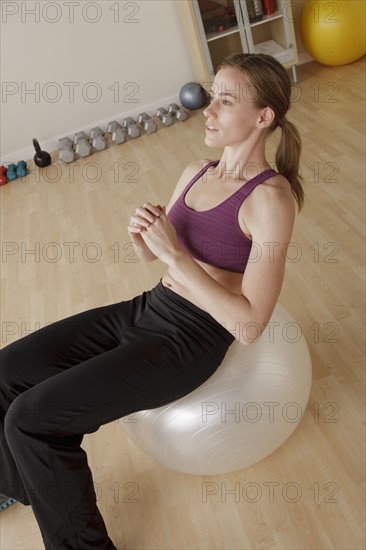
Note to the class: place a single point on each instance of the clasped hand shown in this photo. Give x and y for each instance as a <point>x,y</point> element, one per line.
<point>152,223</point>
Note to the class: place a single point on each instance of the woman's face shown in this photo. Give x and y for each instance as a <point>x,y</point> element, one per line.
<point>232,112</point>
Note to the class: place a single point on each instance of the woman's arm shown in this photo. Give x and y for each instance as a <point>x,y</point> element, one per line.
<point>271,230</point>
<point>139,219</point>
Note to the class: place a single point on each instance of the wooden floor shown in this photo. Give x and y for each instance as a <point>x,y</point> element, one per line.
<point>145,505</point>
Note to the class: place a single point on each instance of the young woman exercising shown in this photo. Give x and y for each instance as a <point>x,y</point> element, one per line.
<point>223,238</point>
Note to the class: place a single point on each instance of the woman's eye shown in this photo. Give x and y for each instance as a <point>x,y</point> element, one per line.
<point>224,101</point>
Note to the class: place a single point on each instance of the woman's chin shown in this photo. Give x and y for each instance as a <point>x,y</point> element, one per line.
<point>209,141</point>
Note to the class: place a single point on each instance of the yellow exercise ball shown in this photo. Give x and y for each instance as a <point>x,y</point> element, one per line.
<point>333,33</point>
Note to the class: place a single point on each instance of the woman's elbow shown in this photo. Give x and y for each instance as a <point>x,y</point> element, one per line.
<point>251,332</point>
<point>244,342</point>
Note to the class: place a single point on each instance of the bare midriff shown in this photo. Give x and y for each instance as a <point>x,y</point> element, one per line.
<point>230,281</point>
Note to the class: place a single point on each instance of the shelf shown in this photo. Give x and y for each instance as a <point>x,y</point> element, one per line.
<point>271,47</point>
<point>217,35</point>
<point>268,18</point>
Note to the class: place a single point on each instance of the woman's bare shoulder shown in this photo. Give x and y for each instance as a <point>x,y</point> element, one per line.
<point>276,187</point>
<point>274,200</point>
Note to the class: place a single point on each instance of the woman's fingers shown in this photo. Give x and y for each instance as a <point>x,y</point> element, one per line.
<point>133,229</point>
<point>137,220</point>
<point>156,210</point>
<point>144,216</point>
<point>149,211</point>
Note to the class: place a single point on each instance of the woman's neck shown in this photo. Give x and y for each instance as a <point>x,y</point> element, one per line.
<point>243,162</point>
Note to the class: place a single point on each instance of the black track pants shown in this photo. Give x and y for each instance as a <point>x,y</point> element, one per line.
<point>77,374</point>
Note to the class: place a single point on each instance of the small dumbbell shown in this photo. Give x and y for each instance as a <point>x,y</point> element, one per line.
<point>175,110</point>
<point>79,136</point>
<point>66,150</point>
<point>3,179</point>
<point>117,132</point>
<point>147,123</point>
<point>83,148</point>
<point>132,129</point>
<point>164,116</point>
<point>11,173</point>
<point>64,142</point>
<point>98,140</point>
<point>67,153</point>
<point>94,132</point>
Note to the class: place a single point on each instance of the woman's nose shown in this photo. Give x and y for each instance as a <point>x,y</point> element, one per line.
<point>208,112</point>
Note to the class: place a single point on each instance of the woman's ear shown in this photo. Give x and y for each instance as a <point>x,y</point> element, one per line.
<point>266,117</point>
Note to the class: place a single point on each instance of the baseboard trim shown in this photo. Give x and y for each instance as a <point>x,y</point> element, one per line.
<point>51,145</point>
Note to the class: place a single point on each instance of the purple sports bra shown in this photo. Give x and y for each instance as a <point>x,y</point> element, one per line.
<point>214,236</point>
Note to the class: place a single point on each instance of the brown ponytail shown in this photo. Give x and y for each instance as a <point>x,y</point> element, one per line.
<point>272,88</point>
<point>288,159</point>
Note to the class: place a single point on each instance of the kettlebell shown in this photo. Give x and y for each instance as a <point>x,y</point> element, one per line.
<point>41,158</point>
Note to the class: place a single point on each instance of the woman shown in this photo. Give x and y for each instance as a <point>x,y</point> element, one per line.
<point>223,237</point>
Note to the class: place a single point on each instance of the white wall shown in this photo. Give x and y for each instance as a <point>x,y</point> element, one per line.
<point>141,44</point>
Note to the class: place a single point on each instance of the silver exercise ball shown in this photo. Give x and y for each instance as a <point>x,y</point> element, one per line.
<point>193,96</point>
<point>242,413</point>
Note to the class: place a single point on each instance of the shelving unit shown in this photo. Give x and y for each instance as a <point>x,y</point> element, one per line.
<point>216,28</point>
<point>273,35</point>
